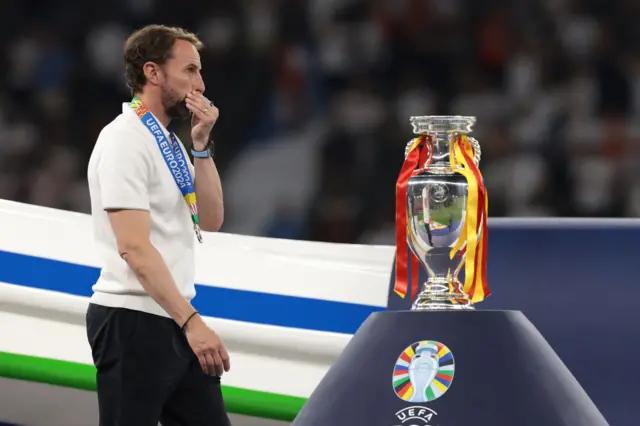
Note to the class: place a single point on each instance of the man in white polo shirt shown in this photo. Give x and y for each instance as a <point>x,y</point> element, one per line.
<point>156,359</point>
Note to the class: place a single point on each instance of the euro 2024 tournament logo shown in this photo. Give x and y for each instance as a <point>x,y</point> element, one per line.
<point>423,373</point>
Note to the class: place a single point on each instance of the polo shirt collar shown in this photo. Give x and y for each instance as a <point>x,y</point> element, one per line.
<point>128,111</point>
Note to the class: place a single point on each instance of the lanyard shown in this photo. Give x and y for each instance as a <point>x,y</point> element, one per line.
<point>174,158</point>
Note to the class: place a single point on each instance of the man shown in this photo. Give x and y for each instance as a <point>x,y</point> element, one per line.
<point>156,359</point>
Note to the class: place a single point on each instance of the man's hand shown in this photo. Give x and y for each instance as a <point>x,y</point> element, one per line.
<point>207,346</point>
<point>205,115</point>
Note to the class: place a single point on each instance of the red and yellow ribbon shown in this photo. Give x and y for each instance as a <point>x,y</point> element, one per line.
<point>406,261</point>
<point>473,238</point>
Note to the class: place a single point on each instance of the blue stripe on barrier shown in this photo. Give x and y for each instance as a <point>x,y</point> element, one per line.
<point>240,305</point>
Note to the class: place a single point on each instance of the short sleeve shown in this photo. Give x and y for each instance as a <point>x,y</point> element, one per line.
<point>124,172</point>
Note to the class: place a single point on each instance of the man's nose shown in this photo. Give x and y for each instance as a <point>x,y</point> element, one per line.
<point>199,85</point>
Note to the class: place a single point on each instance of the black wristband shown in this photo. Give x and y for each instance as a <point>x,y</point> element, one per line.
<point>188,319</point>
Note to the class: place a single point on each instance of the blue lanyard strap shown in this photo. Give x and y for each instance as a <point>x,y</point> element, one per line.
<point>174,158</point>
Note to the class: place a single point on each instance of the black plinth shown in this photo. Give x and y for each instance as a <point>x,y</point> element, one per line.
<point>475,368</point>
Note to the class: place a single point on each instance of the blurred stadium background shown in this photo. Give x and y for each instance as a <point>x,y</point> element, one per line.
<point>315,98</point>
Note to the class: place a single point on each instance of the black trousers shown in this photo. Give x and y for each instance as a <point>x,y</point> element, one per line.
<point>147,373</point>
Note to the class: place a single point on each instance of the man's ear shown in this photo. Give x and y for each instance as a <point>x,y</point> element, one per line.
<point>152,72</point>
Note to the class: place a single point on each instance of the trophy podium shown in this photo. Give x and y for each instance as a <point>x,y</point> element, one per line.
<point>443,363</point>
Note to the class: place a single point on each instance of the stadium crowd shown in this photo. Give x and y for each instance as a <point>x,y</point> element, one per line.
<point>315,98</point>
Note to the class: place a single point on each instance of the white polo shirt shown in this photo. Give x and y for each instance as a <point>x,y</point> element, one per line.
<point>127,171</point>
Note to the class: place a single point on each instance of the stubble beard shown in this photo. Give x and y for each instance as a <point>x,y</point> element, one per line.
<point>174,105</point>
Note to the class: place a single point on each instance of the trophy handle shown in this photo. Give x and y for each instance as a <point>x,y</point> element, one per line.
<point>477,152</point>
<point>429,147</point>
<point>406,149</point>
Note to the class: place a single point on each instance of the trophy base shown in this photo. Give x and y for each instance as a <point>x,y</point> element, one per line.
<point>437,296</point>
<point>428,301</point>
<point>406,368</point>
<point>444,304</point>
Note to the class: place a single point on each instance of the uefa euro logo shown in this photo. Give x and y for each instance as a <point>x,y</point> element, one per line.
<point>423,372</point>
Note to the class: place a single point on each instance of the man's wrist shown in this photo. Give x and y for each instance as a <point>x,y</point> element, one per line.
<point>202,150</point>
<point>181,313</point>
<point>200,146</point>
<point>189,319</point>
<point>192,322</point>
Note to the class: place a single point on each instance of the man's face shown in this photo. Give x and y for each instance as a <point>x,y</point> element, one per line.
<point>182,76</point>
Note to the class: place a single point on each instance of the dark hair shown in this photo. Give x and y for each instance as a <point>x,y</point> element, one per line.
<point>151,43</point>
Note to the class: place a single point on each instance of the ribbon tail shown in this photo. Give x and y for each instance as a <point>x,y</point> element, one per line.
<point>402,251</point>
<point>458,167</point>
<point>475,265</point>
<point>485,244</point>
<point>415,274</point>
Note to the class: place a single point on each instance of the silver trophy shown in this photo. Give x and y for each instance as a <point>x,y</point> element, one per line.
<point>436,207</point>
